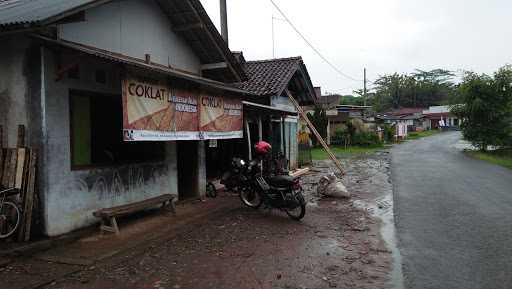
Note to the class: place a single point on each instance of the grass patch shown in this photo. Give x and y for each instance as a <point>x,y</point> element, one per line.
<point>318,153</point>
<point>502,157</point>
<point>420,134</point>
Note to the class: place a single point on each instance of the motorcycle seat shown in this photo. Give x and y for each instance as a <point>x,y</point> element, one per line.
<point>281,181</point>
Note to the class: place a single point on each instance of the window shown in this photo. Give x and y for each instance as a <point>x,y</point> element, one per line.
<point>96,133</point>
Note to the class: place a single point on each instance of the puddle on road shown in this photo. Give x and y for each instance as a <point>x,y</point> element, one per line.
<point>383,209</point>
<point>368,179</point>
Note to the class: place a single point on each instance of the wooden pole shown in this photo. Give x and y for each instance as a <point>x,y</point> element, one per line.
<point>224,21</point>
<point>21,136</point>
<point>248,138</point>
<point>28,200</point>
<point>260,128</point>
<point>364,89</point>
<point>315,132</point>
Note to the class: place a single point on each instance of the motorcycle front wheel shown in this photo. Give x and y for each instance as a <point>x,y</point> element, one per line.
<point>250,197</point>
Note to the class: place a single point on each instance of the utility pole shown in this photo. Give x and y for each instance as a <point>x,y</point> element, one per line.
<point>364,88</point>
<point>224,21</point>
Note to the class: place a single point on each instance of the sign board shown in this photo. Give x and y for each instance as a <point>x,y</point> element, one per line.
<point>331,112</point>
<point>155,111</point>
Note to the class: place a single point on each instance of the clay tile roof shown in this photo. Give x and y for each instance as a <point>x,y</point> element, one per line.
<point>270,77</point>
<point>406,111</point>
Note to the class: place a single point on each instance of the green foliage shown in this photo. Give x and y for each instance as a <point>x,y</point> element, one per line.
<point>340,137</point>
<point>365,139</point>
<point>352,137</point>
<point>389,133</point>
<point>352,100</point>
<point>486,109</point>
<point>341,151</point>
<point>418,89</point>
<point>319,120</point>
<point>421,134</point>
<point>501,157</point>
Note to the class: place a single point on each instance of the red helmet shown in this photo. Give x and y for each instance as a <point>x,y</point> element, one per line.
<point>262,147</point>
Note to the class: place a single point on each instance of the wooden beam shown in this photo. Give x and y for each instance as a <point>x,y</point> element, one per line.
<point>315,132</point>
<point>21,136</point>
<point>187,27</point>
<point>248,139</point>
<point>299,172</point>
<point>210,66</point>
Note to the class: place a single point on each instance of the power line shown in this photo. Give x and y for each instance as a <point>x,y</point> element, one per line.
<point>312,46</point>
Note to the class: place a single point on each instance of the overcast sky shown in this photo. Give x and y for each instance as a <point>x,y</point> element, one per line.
<point>385,36</point>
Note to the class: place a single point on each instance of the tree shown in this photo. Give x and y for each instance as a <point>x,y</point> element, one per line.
<point>319,120</point>
<point>418,89</point>
<point>352,99</point>
<point>486,110</point>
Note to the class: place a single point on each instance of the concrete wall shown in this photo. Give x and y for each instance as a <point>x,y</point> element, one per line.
<point>14,100</point>
<point>70,196</point>
<point>201,167</point>
<point>133,28</point>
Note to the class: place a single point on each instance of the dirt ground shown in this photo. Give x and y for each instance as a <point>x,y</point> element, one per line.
<point>337,245</point>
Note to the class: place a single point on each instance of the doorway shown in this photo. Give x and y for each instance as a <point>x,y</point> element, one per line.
<point>188,178</point>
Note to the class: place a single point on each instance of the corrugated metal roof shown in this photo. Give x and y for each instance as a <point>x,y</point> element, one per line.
<point>207,43</point>
<point>16,12</point>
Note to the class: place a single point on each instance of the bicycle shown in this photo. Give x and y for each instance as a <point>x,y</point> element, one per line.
<point>10,214</point>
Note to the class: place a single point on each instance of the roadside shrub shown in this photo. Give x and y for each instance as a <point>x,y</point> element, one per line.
<point>389,133</point>
<point>340,137</point>
<point>366,139</point>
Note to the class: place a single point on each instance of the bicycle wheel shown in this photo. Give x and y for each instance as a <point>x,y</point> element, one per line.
<point>9,219</point>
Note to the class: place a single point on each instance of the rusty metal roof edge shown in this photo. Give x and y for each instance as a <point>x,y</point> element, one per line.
<point>141,64</point>
<point>258,105</point>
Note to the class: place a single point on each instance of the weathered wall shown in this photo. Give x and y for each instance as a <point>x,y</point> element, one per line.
<point>70,196</point>
<point>133,28</point>
<point>14,108</point>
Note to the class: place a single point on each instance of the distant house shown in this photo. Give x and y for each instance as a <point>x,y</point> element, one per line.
<point>411,117</point>
<point>342,114</point>
<point>441,117</point>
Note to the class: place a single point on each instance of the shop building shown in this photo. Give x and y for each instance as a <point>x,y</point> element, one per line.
<point>120,98</point>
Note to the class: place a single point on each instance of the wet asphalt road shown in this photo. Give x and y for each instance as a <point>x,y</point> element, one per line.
<point>453,216</point>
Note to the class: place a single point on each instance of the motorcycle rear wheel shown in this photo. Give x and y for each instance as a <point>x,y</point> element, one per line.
<point>251,198</point>
<point>296,214</point>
